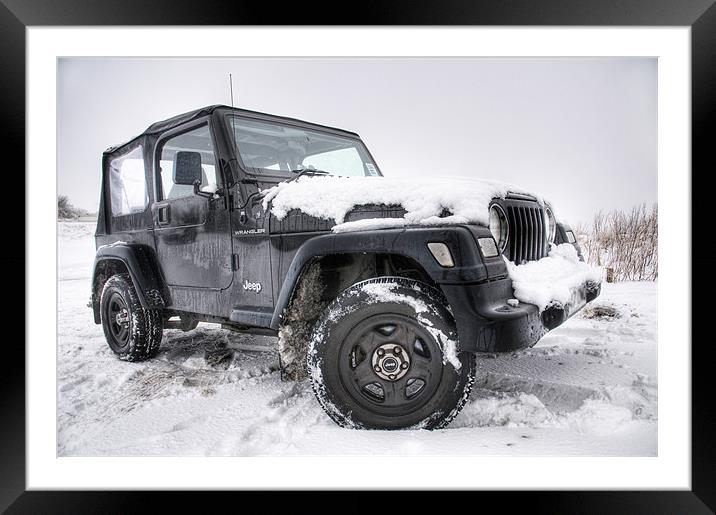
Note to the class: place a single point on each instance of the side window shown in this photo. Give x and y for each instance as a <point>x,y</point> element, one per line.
<point>128,184</point>
<point>570,237</point>
<point>195,140</point>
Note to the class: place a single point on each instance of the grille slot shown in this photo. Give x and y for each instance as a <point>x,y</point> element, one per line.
<point>527,234</point>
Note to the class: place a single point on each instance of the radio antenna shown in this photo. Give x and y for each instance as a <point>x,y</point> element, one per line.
<point>233,128</point>
<point>233,121</point>
<point>231,90</point>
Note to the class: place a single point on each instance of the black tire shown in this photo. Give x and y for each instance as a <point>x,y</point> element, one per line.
<point>138,335</point>
<point>410,323</point>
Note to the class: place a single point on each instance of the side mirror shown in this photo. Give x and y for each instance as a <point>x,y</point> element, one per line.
<point>187,168</point>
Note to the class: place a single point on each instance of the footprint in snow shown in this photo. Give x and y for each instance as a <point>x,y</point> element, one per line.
<point>188,423</point>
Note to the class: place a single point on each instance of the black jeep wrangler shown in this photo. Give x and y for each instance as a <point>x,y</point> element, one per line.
<point>385,322</point>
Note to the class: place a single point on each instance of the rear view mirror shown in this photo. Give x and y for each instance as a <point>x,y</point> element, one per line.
<point>187,168</point>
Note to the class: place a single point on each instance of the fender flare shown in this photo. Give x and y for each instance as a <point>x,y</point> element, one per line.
<point>140,262</point>
<point>408,242</point>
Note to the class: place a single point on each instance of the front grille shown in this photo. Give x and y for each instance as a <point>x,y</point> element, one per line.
<point>527,239</point>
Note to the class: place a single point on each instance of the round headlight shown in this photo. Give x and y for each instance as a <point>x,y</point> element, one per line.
<point>550,225</point>
<point>498,226</point>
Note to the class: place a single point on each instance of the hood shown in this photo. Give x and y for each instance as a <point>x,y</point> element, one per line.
<point>433,201</point>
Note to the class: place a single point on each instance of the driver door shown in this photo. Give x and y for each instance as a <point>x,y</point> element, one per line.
<point>192,233</point>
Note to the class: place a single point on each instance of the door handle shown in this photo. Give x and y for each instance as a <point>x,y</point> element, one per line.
<point>163,215</point>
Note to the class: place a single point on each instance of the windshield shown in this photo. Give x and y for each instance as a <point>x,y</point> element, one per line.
<point>272,146</point>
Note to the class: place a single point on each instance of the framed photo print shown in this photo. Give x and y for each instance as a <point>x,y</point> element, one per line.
<point>445,248</point>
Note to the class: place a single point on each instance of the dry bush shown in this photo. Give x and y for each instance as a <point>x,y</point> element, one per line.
<point>66,211</point>
<point>625,242</point>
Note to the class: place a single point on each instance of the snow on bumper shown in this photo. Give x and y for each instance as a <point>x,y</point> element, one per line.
<point>549,291</point>
<point>553,281</point>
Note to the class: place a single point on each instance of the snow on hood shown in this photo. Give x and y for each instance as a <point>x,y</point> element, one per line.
<point>550,280</point>
<point>423,199</point>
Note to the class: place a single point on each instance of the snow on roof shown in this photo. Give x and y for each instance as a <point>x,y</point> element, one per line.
<point>424,200</point>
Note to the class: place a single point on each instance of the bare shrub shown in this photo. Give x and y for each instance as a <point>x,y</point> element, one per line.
<point>627,242</point>
<point>65,209</point>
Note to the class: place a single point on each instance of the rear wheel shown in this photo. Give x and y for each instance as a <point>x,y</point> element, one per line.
<point>132,332</point>
<point>383,356</point>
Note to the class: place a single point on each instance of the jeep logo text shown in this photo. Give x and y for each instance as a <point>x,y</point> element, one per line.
<point>252,286</point>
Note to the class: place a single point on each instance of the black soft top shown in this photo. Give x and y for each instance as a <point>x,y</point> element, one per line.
<point>155,130</point>
<point>175,121</point>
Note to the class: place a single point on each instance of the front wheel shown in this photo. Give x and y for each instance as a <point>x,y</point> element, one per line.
<point>383,355</point>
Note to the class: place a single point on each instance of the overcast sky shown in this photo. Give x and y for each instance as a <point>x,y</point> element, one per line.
<point>581,132</point>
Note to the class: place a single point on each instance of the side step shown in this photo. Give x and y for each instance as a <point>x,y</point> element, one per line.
<point>258,318</point>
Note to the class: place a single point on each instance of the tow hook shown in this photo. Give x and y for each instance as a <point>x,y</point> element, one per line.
<point>553,316</point>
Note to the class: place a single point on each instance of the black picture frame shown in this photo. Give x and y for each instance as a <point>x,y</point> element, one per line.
<point>700,15</point>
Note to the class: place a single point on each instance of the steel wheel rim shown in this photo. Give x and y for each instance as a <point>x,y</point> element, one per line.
<point>116,312</point>
<point>412,387</point>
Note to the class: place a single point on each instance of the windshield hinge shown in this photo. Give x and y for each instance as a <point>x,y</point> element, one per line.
<point>234,262</point>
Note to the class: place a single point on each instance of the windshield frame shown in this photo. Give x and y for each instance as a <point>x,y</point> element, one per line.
<point>269,175</point>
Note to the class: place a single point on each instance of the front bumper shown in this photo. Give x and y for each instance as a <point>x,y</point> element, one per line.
<point>487,323</point>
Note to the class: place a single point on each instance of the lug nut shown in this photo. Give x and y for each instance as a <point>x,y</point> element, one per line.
<point>404,366</point>
<point>396,350</point>
<point>392,376</point>
<point>381,352</point>
<point>377,368</point>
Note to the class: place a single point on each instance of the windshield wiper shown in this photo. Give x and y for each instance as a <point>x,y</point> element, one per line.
<point>306,171</point>
<point>258,195</point>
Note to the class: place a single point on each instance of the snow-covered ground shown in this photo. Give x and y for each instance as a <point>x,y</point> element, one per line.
<point>588,388</point>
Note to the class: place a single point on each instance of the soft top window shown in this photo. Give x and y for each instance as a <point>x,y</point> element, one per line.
<point>127,183</point>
